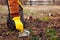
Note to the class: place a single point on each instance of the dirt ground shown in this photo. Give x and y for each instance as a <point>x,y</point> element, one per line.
<point>37,20</point>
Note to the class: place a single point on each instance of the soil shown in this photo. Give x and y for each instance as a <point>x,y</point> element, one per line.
<point>38,28</point>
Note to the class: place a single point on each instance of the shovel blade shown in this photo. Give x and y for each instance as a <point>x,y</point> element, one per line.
<point>24,34</point>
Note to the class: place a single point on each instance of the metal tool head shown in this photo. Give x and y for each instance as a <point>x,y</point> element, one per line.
<point>24,34</point>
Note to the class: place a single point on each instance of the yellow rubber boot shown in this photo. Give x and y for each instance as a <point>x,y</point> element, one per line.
<point>18,24</point>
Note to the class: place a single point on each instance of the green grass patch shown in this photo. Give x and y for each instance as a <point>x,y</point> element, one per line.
<point>44,18</point>
<point>35,38</point>
<point>53,38</point>
<point>51,34</point>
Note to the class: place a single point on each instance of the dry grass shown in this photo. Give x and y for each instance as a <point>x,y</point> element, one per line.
<point>41,11</point>
<point>3,9</point>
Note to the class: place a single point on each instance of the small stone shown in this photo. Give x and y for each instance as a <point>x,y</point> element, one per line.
<point>50,14</point>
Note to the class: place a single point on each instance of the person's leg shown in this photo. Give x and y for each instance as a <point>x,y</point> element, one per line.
<point>13,10</point>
